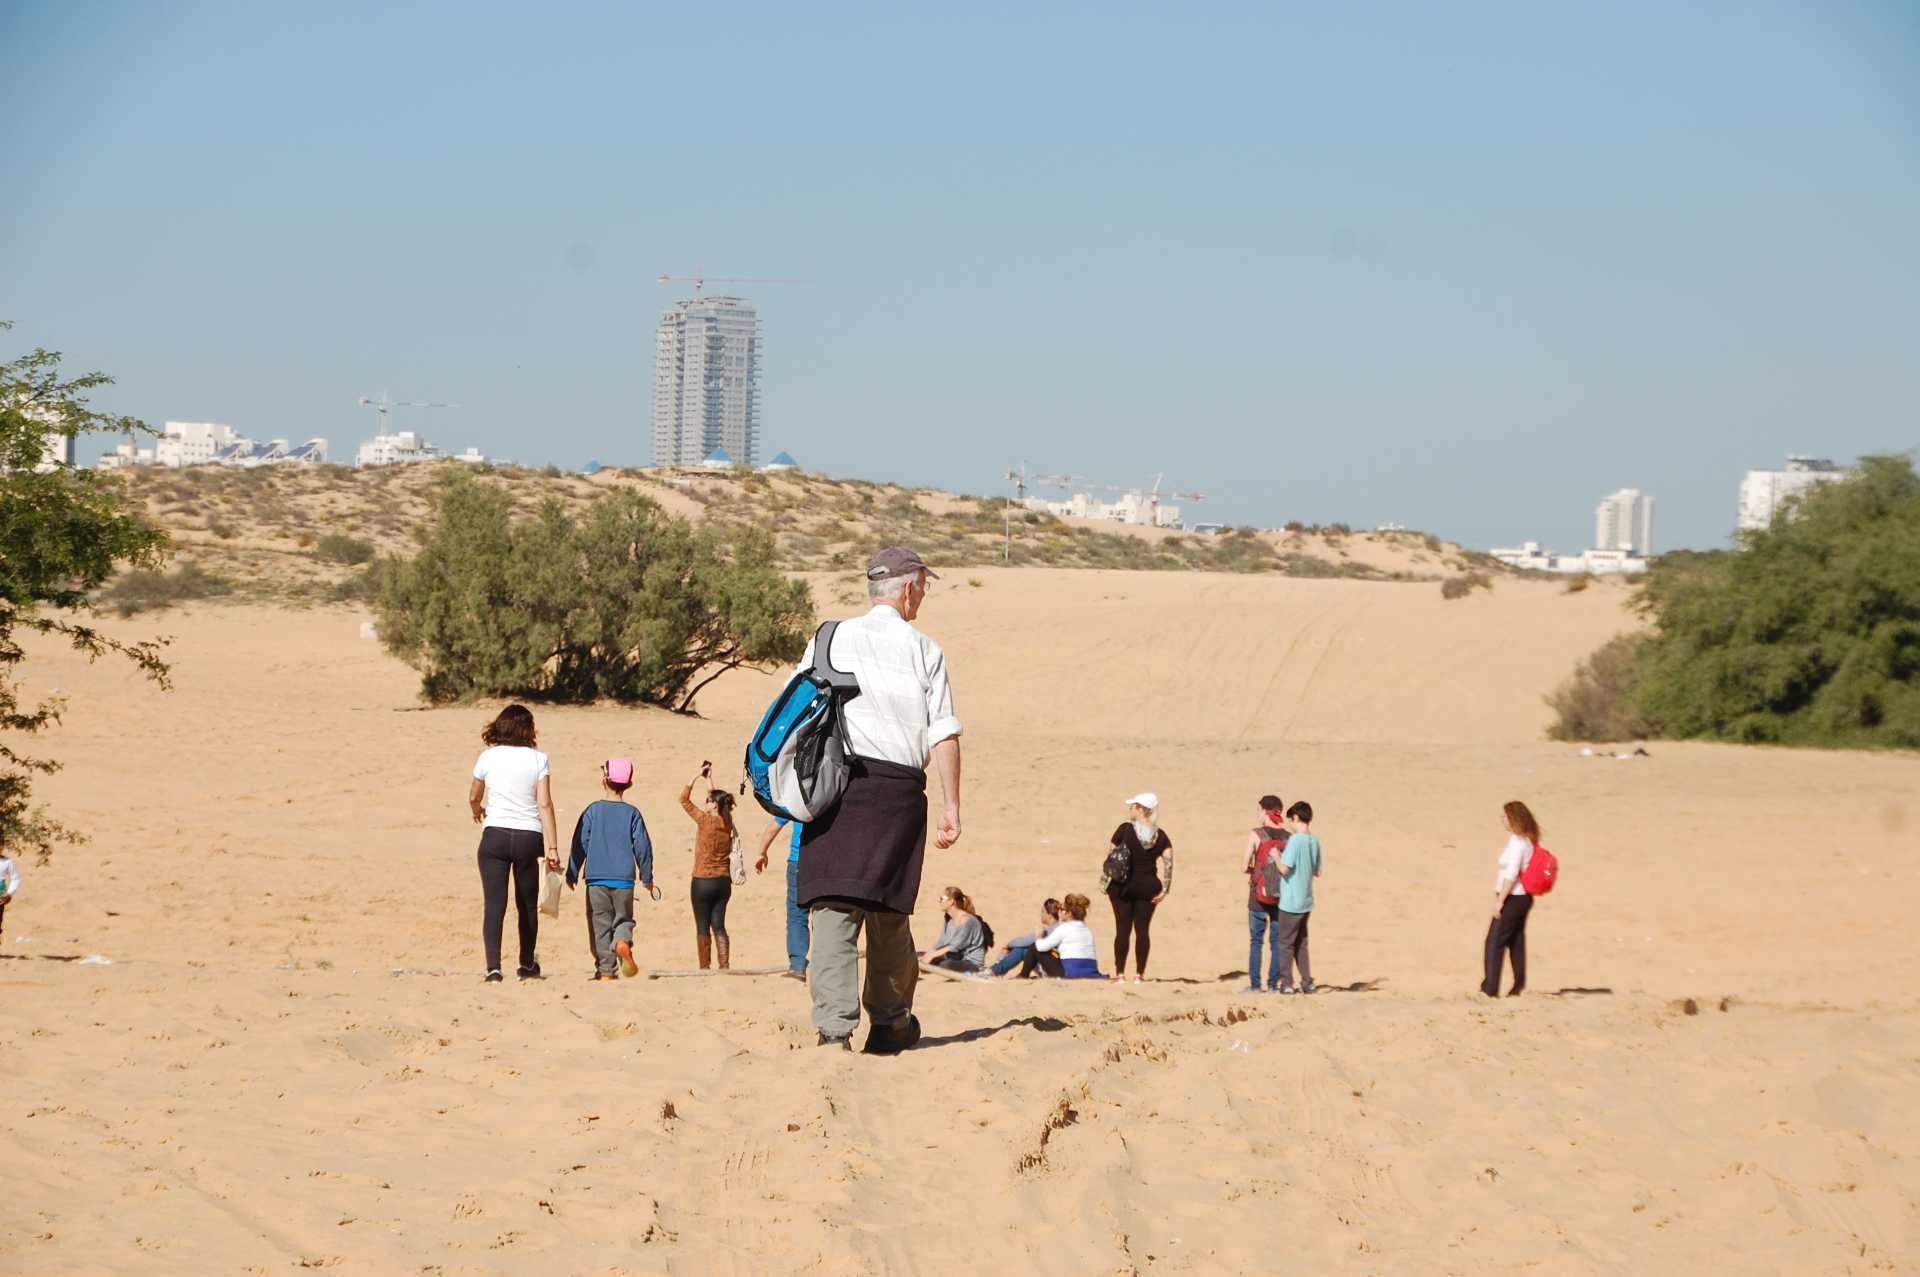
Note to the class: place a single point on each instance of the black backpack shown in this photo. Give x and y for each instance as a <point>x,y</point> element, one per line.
<point>1118,865</point>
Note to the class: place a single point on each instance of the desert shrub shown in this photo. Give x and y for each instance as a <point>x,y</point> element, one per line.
<point>1578,583</point>
<point>337,547</point>
<point>1458,587</point>
<point>1600,700</point>
<point>626,602</point>
<point>221,529</point>
<point>356,587</point>
<point>146,590</point>
<point>1808,634</point>
<point>1430,541</point>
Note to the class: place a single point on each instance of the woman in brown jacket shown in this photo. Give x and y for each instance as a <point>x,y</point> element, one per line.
<point>712,881</point>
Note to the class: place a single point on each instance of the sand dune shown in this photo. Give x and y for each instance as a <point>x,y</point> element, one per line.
<point>291,1061</point>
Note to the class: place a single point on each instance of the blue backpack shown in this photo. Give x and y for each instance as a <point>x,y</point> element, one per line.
<point>797,759</point>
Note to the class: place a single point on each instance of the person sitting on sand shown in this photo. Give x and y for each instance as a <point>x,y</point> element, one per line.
<point>1073,941</point>
<point>1149,878</point>
<point>511,798</point>
<point>610,844</point>
<point>1507,933</point>
<point>963,942</point>
<point>1019,952</point>
<point>712,867</point>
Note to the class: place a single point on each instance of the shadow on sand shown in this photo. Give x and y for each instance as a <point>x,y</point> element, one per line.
<point>1044,1023</point>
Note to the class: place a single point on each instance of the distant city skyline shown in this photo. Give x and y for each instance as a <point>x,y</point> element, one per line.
<point>1462,269</point>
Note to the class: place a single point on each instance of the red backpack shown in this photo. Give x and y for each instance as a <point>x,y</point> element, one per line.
<point>1263,872</point>
<point>1540,872</point>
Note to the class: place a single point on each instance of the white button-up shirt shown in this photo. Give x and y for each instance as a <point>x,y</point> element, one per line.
<point>905,706</point>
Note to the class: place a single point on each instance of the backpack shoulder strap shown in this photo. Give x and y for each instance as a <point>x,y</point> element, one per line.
<point>840,680</point>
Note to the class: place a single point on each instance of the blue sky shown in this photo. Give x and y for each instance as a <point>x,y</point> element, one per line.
<point>1466,267</point>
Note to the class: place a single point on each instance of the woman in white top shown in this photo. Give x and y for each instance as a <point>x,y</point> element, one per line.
<point>1073,941</point>
<point>511,797</point>
<point>1507,933</point>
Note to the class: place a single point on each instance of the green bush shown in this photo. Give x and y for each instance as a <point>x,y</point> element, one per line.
<point>145,590</point>
<point>627,602</point>
<point>337,547</point>
<point>1600,701</point>
<point>1809,634</point>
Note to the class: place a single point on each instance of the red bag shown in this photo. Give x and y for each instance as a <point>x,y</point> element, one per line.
<point>1265,872</point>
<point>1540,872</point>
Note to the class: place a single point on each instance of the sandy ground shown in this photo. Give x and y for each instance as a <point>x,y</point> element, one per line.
<point>291,1061</point>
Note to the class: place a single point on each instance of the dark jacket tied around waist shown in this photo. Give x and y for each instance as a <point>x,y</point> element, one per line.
<point>870,849</point>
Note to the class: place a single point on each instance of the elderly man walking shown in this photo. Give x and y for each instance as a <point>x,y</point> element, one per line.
<point>860,863</point>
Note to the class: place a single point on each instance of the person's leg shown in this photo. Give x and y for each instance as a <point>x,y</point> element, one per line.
<point>1300,954</point>
<point>833,969</point>
<point>1256,932</point>
<point>622,898</point>
<point>1287,927</point>
<point>893,969</point>
<point>494,870</point>
<point>722,943</point>
<point>1276,953</point>
<point>597,940</point>
<point>526,901</point>
<point>796,921</point>
<point>703,921</point>
<point>1017,956</point>
<point>1122,933</point>
<point>1518,943</point>
<point>1495,956</point>
<point>1142,935</point>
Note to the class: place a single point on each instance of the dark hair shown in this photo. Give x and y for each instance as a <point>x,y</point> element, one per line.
<point>511,726</point>
<point>723,803</point>
<point>1521,821</point>
<point>1271,802</point>
<point>1301,811</point>
<point>960,899</point>
<point>1051,907</point>
<point>1076,905</point>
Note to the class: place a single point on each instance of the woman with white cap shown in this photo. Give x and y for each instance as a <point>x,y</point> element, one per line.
<point>1149,877</point>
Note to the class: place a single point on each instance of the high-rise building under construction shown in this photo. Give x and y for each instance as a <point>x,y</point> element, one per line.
<point>706,382</point>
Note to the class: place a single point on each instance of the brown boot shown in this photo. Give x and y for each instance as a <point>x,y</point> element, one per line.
<point>706,952</point>
<point>723,948</point>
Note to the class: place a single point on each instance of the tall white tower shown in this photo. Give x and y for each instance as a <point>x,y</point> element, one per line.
<point>1624,521</point>
<point>706,381</point>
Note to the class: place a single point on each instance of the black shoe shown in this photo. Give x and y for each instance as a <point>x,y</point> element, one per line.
<point>843,1041</point>
<point>529,972</point>
<point>1309,987</point>
<point>494,977</point>
<point>885,1041</point>
<point>1514,993</point>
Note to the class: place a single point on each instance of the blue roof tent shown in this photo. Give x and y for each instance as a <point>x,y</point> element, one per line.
<point>720,454</point>
<point>785,459</point>
<point>592,467</point>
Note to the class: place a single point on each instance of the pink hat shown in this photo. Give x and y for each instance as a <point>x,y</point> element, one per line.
<point>620,771</point>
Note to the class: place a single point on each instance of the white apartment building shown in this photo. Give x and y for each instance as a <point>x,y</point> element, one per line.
<point>248,453</point>
<point>403,447</point>
<point>1135,508</point>
<point>56,452</point>
<point>127,454</point>
<point>706,381</point>
<point>1531,556</point>
<point>1623,521</point>
<point>1763,492</point>
<point>193,443</point>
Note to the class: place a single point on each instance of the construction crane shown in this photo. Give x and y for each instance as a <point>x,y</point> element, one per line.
<point>699,281</point>
<point>384,405</point>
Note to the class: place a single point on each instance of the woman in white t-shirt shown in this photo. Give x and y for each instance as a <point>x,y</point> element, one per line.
<point>1507,933</point>
<point>512,798</point>
<point>1073,941</point>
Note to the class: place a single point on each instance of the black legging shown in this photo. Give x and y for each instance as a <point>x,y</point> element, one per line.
<point>1507,934</point>
<point>515,851</point>
<point>1134,916</point>
<point>710,896</point>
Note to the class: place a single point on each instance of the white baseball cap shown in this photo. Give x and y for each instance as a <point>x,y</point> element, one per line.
<point>1149,800</point>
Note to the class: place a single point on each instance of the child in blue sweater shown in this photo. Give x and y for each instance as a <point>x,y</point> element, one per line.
<point>609,844</point>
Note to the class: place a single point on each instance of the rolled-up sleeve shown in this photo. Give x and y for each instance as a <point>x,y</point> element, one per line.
<point>942,724</point>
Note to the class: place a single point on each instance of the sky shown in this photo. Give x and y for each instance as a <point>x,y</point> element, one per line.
<point>1466,268</point>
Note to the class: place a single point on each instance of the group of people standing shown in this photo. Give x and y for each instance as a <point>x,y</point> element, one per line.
<point>854,872</point>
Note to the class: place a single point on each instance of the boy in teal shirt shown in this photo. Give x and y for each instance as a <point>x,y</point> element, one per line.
<point>1299,866</point>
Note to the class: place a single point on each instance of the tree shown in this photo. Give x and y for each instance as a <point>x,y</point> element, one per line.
<point>629,603</point>
<point>63,532</point>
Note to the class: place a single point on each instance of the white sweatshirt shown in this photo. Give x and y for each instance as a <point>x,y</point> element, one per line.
<point>1073,940</point>
<point>10,875</point>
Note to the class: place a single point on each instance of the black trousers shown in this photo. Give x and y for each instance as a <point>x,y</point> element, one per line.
<point>1508,934</point>
<point>710,896</point>
<point>1135,916</point>
<point>515,852</point>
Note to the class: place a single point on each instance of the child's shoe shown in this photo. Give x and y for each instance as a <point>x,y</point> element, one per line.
<point>628,967</point>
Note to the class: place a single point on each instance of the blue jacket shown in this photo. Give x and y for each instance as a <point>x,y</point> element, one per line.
<point>610,841</point>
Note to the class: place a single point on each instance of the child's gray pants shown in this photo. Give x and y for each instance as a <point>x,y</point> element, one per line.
<point>609,919</point>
